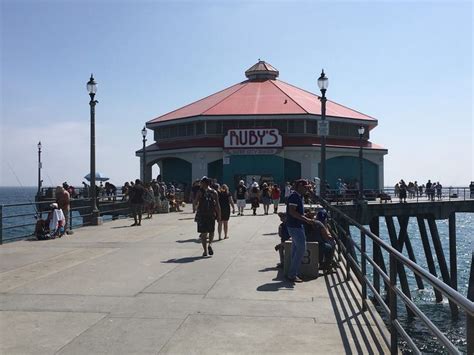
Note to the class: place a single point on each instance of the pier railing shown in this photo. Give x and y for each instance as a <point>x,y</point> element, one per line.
<point>391,195</point>
<point>18,220</point>
<point>397,261</point>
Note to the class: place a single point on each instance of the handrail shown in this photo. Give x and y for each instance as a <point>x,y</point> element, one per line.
<point>460,193</point>
<point>105,203</point>
<point>397,257</point>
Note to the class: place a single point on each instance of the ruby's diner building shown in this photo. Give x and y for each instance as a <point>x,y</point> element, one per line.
<point>261,128</point>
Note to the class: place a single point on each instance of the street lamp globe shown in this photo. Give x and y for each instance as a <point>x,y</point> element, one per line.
<point>323,81</point>
<point>91,86</point>
<point>361,130</point>
<point>144,132</point>
<point>39,145</point>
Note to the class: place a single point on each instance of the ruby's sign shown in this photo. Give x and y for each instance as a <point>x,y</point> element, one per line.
<point>253,138</point>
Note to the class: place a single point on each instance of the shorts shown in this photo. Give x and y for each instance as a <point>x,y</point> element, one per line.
<point>266,200</point>
<point>136,208</point>
<point>206,225</point>
<point>241,203</point>
<point>276,201</point>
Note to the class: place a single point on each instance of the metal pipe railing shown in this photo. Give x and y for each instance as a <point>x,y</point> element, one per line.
<point>391,280</point>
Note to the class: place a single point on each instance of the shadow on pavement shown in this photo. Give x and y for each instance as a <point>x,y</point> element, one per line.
<point>192,240</point>
<point>281,282</point>
<point>185,260</point>
<point>352,321</point>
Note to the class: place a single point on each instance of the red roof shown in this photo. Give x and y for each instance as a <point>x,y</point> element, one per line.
<point>269,96</point>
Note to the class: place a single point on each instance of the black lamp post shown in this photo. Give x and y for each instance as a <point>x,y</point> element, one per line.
<point>92,89</point>
<point>39,170</point>
<point>361,131</point>
<point>144,154</point>
<point>324,130</point>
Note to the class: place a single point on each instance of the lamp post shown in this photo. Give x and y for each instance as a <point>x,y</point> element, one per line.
<point>92,89</point>
<point>39,170</point>
<point>361,131</point>
<point>323,131</point>
<point>144,154</point>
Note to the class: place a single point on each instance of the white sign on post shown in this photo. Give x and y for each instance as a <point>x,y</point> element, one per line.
<point>323,128</point>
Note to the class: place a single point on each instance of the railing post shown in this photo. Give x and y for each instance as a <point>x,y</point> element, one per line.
<point>70,218</point>
<point>1,224</point>
<point>393,305</point>
<point>363,260</point>
<point>469,318</point>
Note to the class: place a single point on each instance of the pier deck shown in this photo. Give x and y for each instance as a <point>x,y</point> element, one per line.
<point>147,290</point>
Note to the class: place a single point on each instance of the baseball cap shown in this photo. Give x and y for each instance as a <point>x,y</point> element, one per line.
<point>322,216</point>
<point>54,205</point>
<point>303,182</point>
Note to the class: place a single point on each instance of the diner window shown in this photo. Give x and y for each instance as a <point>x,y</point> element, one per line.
<point>213,127</point>
<point>281,125</point>
<point>311,127</point>
<point>226,125</point>
<point>246,124</point>
<point>199,128</point>
<point>295,126</point>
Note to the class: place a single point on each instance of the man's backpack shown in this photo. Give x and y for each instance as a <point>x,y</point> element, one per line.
<point>207,204</point>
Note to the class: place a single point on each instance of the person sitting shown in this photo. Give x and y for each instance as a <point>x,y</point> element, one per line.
<point>56,221</point>
<point>52,226</point>
<point>320,233</point>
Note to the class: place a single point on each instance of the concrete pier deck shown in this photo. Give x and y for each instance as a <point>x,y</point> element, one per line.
<point>115,289</point>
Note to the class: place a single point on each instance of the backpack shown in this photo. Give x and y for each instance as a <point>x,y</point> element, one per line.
<point>207,204</point>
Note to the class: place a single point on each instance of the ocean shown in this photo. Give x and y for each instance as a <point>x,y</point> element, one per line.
<point>425,299</point>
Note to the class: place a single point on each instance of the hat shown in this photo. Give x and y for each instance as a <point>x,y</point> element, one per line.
<point>303,182</point>
<point>54,205</point>
<point>205,179</point>
<point>322,216</point>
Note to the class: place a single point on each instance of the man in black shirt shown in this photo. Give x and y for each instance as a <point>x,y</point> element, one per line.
<point>137,194</point>
<point>208,210</point>
<point>241,196</point>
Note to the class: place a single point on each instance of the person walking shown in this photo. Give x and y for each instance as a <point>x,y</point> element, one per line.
<point>207,211</point>
<point>276,193</point>
<point>225,202</point>
<point>241,196</point>
<point>266,198</point>
<point>137,195</point>
<point>403,191</point>
<point>255,197</point>
<point>294,223</point>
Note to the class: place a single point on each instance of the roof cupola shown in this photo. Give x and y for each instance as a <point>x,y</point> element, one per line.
<point>261,71</point>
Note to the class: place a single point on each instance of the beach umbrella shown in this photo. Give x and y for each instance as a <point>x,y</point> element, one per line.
<point>98,177</point>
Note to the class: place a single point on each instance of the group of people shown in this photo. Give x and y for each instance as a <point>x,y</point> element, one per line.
<point>304,227</point>
<point>412,190</point>
<point>212,203</point>
<point>57,222</point>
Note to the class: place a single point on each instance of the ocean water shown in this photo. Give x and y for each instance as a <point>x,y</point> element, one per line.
<point>439,313</point>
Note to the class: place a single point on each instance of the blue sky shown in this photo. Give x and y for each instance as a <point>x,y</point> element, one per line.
<point>409,64</point>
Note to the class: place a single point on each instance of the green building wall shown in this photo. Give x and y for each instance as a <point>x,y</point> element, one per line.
<point>347,168</point>
<point>179,170</point>
<point>278,168</point>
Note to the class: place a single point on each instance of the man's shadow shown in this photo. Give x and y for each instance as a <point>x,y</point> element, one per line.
<point>281,283</point>
<point>185,260</point>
